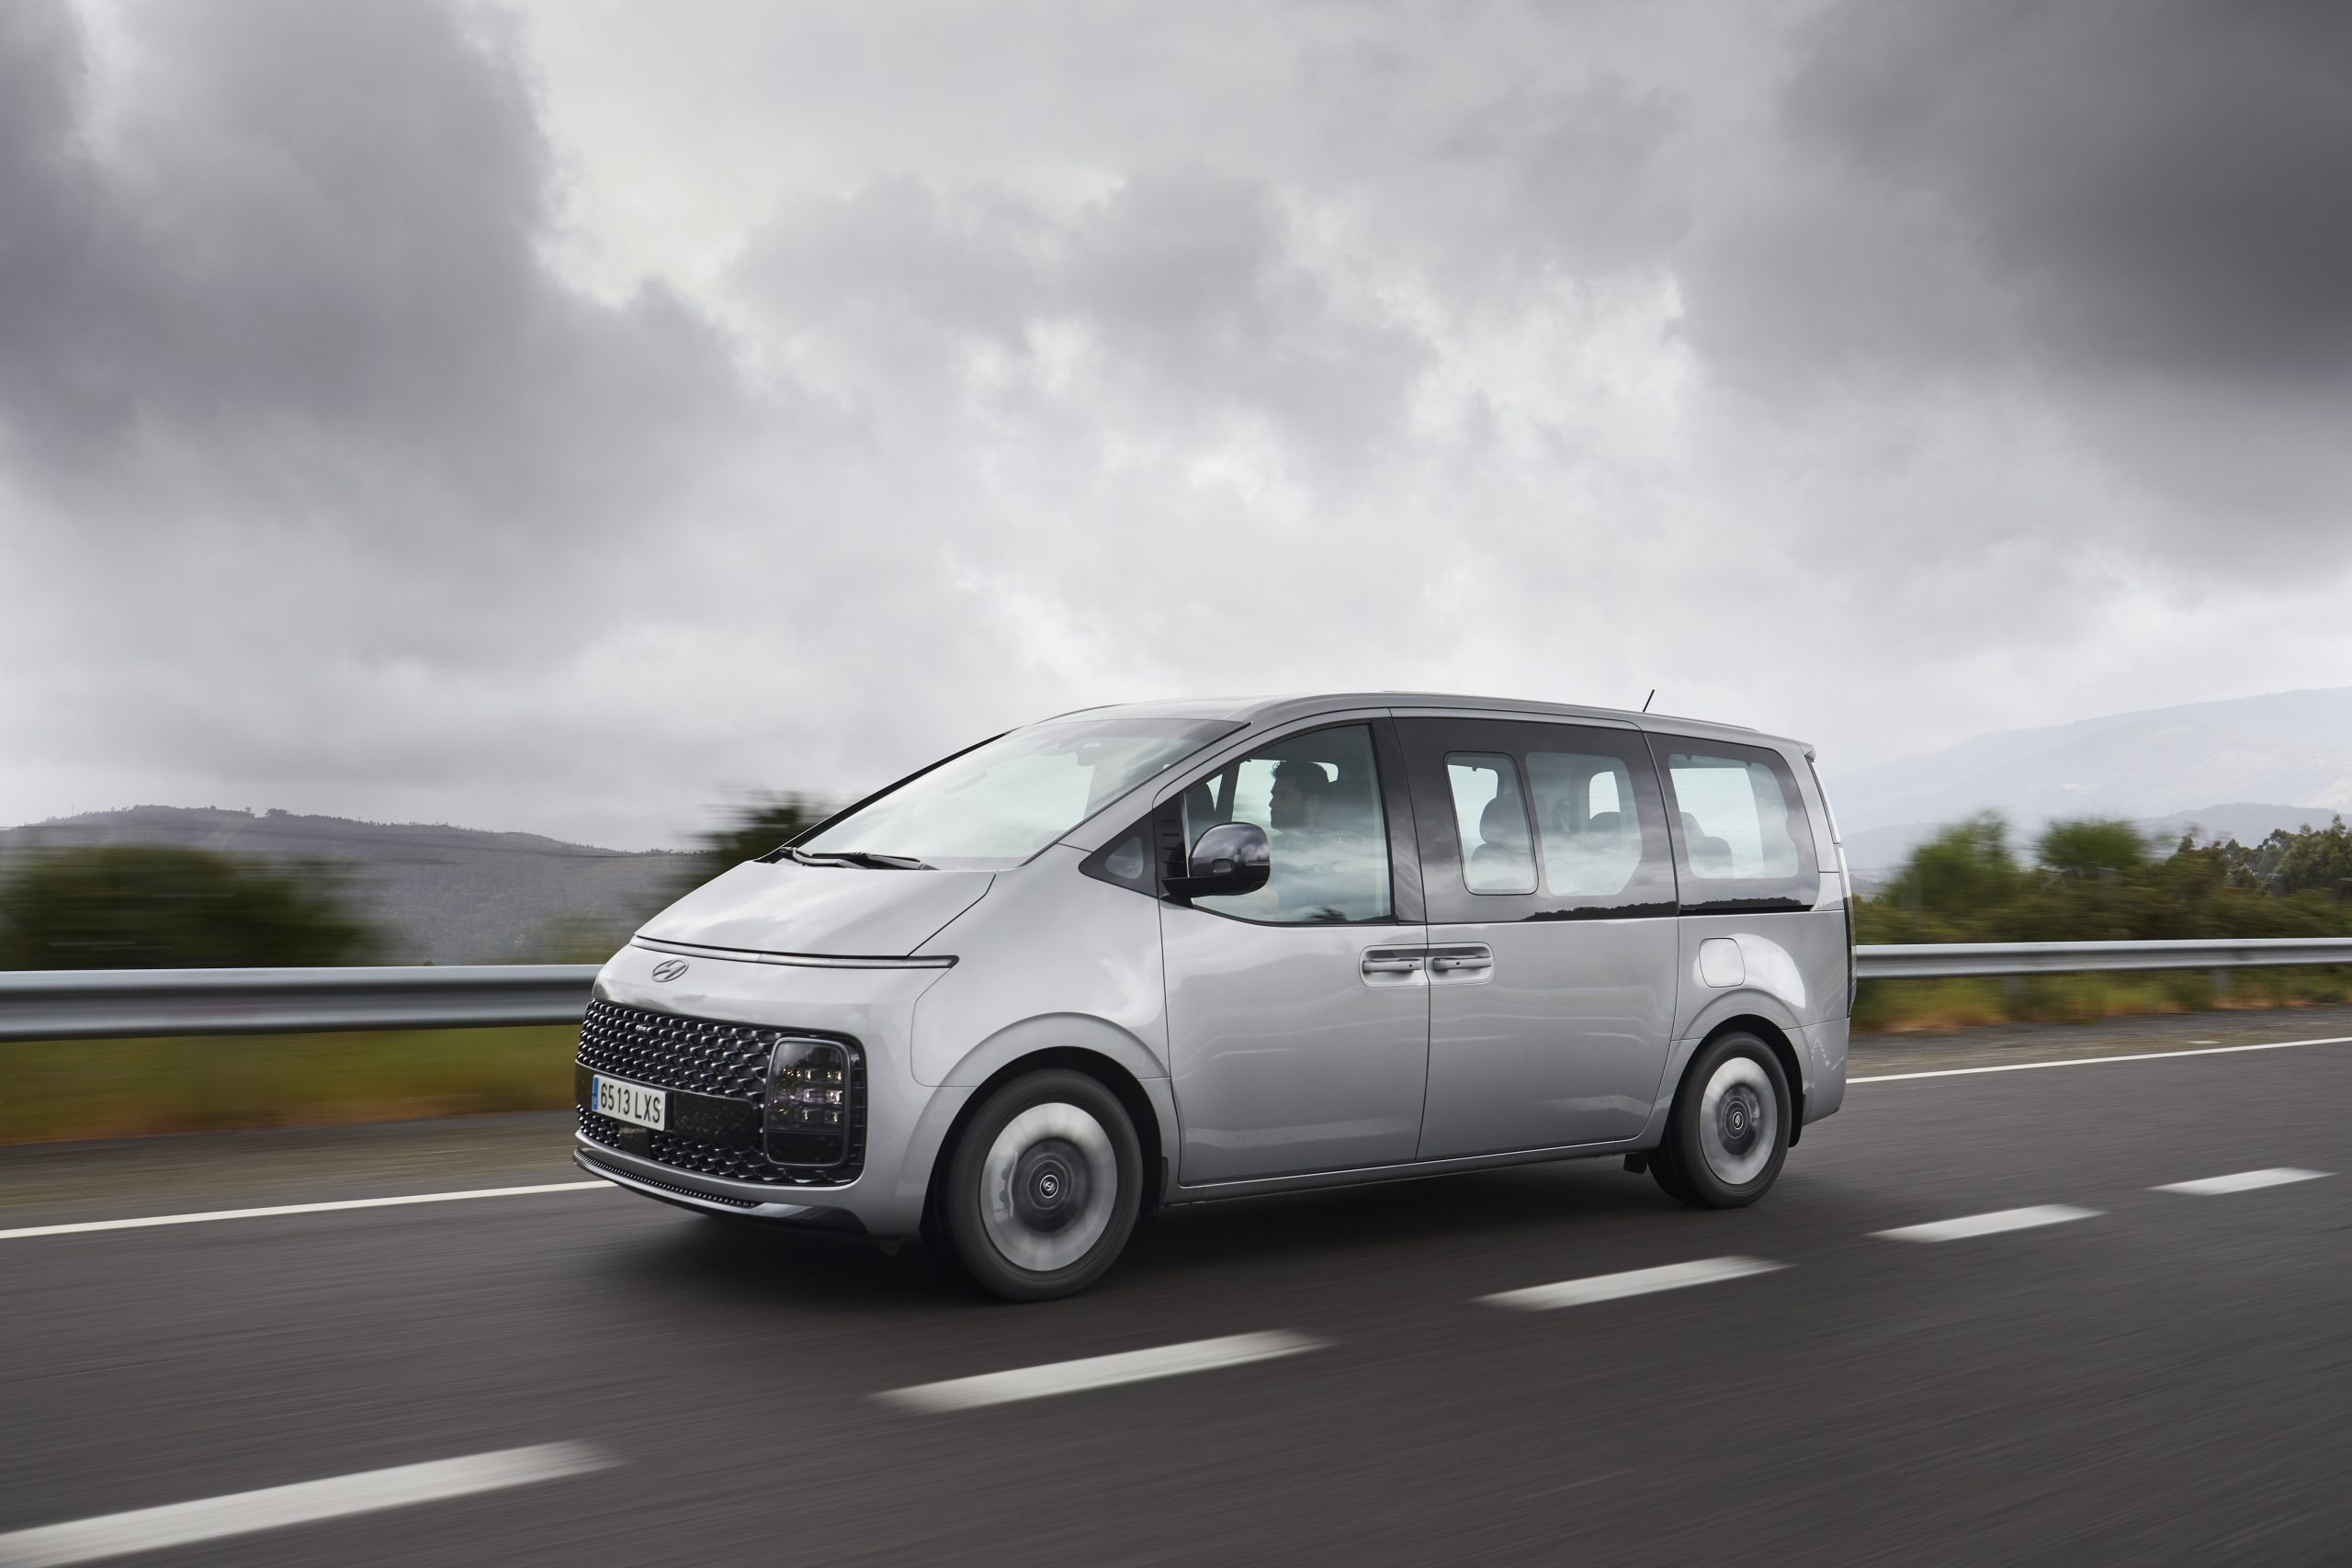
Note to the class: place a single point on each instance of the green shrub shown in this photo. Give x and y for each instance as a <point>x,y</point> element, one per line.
<point>152,907</point>
<point>2101,880</point>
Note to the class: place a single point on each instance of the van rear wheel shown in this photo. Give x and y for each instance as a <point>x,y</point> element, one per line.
<point>1041,1190</point>
<point>1728,1134</point>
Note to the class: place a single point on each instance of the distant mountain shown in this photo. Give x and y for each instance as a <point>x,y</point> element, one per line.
<point>442,895</point>
<point>2160,767</point>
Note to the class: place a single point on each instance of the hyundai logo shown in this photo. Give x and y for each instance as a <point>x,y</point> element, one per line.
<point>669,968</point>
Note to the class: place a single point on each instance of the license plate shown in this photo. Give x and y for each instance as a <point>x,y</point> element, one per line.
<point>631,1102</point>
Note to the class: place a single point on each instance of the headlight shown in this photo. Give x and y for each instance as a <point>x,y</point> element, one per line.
<point>807,1109</point>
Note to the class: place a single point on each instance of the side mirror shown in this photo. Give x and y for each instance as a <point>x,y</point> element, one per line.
<point>1230,858</point>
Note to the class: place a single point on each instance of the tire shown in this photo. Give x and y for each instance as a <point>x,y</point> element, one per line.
<point>1041,1190</point>
<point>1728,1134</point>
<point>1668,1175</point>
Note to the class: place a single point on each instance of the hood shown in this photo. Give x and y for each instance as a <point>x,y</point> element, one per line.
<point>836,911</point>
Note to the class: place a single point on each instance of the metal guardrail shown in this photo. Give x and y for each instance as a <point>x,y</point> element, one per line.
<point>1924,961</point>
<point>90,1004</point>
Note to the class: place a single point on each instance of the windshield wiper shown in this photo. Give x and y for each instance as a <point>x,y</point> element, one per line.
<point>856,857</point>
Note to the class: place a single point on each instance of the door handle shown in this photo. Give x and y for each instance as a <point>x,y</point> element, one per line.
<point>1461,959</point>
<point>1373,965</point>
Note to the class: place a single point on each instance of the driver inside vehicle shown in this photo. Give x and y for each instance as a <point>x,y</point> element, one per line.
<point>1296,804</point>
<point>1324,846</point>
<point>1318,798</point>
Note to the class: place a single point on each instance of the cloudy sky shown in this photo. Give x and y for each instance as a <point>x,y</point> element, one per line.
<point>560,417</point>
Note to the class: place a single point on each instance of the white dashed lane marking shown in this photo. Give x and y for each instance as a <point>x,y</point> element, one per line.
<point>27,1231</point>
<point>306,1502</point>
<point>1098,1371</point>
<point>1633,1282</point>
<point>2099,1061</point>
<point>2242,1181</point>
<point>1999,1219</point>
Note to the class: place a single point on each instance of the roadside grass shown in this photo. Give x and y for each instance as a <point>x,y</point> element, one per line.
<point>1896,1007</point>
<point>53,1091</point>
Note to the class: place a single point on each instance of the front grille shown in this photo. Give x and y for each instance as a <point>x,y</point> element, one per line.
<point>716,1072</point>
<point>699,1054</point>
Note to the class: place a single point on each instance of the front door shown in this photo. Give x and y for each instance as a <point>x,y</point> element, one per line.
<point>1554,952</point>
<point>1298,1015</point>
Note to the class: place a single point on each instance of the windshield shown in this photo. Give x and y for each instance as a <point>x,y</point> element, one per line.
<point>998,803</point>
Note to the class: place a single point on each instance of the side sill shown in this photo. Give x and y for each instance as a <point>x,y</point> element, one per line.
<point>1407,1171</point>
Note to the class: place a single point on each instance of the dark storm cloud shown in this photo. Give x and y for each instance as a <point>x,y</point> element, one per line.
<point>300,267</point>
<point>2111,187</point>
<point>999,360</point>
<point>314,474</point>
<point>1590,176</point>
<point>1186,283</point>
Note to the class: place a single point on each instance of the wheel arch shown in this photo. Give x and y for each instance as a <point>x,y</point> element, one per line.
<point>1147,1113</point>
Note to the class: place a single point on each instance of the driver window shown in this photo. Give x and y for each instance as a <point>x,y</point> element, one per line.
<point>1318,796</point>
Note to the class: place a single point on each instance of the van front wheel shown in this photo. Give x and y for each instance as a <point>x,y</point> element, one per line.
<point>1729,1131</point>
<point>1043,1186</point>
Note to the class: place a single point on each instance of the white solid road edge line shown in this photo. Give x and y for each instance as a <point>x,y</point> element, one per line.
<point>302,1209</point>
<point>2242,1181</point>
<point>1999,1219</point>
<point>1633,1282</point>
<point>1098,1371</point>
<point>272,1507</point>
<point>2098,1061</point>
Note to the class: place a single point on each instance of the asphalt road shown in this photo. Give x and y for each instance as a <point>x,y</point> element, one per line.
<point>2168,1379</point>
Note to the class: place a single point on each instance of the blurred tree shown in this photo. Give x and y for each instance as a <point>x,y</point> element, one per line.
<point>1965,868</point>
<point>2317,860</point>
<point>756,825</point>
<point>2092,847</point>
<point>148,906</point>
<point>762,823</point>
<point>2102,880</point>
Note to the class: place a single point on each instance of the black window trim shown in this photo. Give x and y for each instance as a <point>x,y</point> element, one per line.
<point>1098,864</point>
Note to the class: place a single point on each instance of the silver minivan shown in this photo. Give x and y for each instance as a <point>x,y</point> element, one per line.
<point>1172,952</point>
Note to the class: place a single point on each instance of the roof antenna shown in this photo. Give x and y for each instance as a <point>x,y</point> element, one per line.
<point>1645,701</point>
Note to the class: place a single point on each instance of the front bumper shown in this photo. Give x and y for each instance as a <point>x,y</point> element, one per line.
<point>665,1185</point>
<point>873,1006</point>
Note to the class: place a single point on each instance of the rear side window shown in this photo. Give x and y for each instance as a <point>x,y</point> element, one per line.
<point>1522,820</point>
<point>1742,840</point>
<point>1491,818</point>
<point>1587,822</point>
